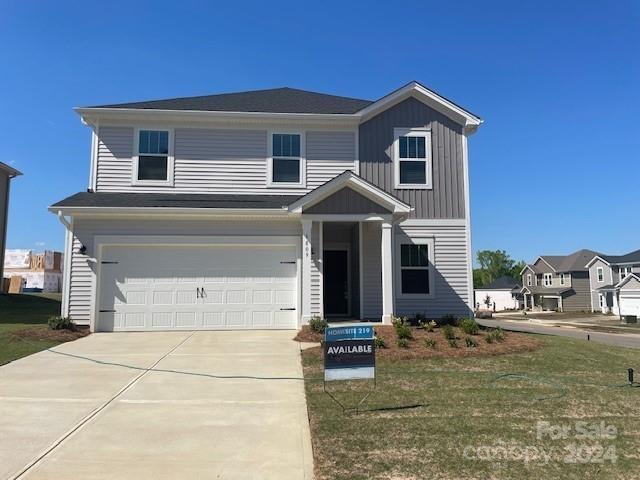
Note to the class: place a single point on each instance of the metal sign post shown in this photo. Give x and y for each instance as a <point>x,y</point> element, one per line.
<point>349,354</point>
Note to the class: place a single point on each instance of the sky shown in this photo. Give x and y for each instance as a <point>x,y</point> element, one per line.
<point>554,168</point>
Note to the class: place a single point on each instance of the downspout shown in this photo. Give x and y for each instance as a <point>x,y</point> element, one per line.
<point>66,274</point>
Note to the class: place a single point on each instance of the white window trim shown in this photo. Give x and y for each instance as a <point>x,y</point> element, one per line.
<point>529,281</point>
<point>627,272</point>
<point>404,240</point>
<point>303,159</point>
<point>548,276</point>
<point>136,154</point>
<point>412,132</point>
<point>600,274</point>
<point>563,279</point>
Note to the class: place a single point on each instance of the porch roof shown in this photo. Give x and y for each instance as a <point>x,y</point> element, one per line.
<point>539,290</point>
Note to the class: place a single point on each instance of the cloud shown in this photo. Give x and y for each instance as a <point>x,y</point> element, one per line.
<point>40,244</point>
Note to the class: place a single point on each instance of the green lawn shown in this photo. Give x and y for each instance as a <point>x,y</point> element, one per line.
<point>475,424</point>
<point>21,311</point>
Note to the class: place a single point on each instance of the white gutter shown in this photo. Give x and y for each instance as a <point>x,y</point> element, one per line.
<point>168,211</point>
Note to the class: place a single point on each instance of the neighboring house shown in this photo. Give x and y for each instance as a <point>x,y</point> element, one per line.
<point>608,274</point>
<point>503,294</point>
<point>262,209</point>
<point>40,272</point>
<point>558,282</point>
<point>6,174</point>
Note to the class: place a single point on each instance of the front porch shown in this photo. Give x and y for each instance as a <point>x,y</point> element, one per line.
<point>347,249</point>
<point>543,299</point>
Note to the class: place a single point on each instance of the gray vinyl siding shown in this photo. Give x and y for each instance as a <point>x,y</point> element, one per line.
<point>451,287</point>
<point>221,160</point>
<point>579,298</point>
<point>115,165</point>
<point>346,201</point>
<point>446,199</point>
<point>593,282</point>
<point>4,206</point>
<point>80,286</point>
<point>371,271</point>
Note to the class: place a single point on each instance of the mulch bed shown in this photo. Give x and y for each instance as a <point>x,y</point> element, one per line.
<point>513,343</point>
<point>42,332</point>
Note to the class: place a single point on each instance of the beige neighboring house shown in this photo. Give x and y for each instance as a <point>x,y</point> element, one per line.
<point>40,272</point>
<point>6,174</point>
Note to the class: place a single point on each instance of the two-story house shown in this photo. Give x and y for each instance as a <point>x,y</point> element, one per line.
<point>262,209</point>
<point>611,286</point>
<point>558,282</point>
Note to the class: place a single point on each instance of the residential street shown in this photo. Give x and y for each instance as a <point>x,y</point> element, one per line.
<point>622,339</point>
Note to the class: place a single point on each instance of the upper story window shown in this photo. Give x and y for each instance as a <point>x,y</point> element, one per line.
<point>412,158</point>
<point>600,274</point>
<point>415,267</point>
<point>548,279</point>
<point>153,163</point>
<point>624,272</point>
<point>562,279</point>
<point>286,163</point>
<point>529,282</point>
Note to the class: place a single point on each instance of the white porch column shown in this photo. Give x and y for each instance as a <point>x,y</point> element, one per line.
<point>306,271</point>
<point>386,255</point>
<point>560,306</point>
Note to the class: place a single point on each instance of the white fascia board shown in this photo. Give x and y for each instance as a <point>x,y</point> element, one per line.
<point>350,180</point>
<point>627,279</point>
<point>429,97</point>
<point>161,211</point>
<point>91,115</point>
<point>525,267</point>
<point>594,259</point>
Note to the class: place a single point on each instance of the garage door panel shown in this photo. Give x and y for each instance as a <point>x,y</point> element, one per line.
<point>164,288</point>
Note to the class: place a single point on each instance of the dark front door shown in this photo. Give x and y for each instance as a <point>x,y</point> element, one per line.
<point>336,282</point>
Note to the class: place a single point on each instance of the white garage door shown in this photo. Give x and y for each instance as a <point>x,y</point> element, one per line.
<point>193,288</point>
<point>630,303</point>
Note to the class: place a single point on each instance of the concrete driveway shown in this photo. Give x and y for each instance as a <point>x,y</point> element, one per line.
<point>64,416</point>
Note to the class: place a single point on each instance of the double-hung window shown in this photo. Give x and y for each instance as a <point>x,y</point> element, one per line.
<point>416,267</point>
<point>548,279</point>
<point>412,158</point>
<point>529,282</point>
<point>286,166</point>
<point>562,279</point>
<point>153,159</point>
<point>600,274</point>
<point>624,272</point>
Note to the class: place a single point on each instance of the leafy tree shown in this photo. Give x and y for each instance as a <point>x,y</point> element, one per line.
<point>495,264</point>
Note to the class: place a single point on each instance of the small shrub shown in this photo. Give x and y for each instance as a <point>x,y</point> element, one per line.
<point>429,343</point>
<point>379,342</point>
<point>317,324</point>
<point>448,319</point>
<point>403,343</point>
<point>469,326</point>
<point>470,342</point>
<point>428,326</point>
<point>402,327</point>
<point>496,335</point>
<point>453,343</point>
<point>61,323</point>
<point>448,332</point>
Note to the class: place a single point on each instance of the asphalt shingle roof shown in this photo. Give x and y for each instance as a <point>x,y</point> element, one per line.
<point>174,200</point>
<point>574,262</point>
<point>630,257</point>
<point>275,100</point>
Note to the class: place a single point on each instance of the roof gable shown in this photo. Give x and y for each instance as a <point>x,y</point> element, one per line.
<point>347,201</point>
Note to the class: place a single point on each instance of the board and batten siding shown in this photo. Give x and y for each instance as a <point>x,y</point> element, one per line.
<point>316,269</point>
<point>85,230</point>
<point>221,160</point>
<point>446,199</point>
<point>371,271</point>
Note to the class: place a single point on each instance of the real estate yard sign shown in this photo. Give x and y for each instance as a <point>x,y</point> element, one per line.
<point>349,353</point>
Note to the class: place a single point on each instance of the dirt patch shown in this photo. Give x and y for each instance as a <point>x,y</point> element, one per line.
<point>42,332</point>
<point>512,343</point>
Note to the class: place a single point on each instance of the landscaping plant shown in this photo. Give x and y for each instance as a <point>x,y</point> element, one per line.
<point>61,323</point>
<point>448,332</point>
<point>379,342</point>
<point>428,325</point>
<point>403,342</point>
<point>469,326</point>
<point>402,327</point>
<point>429,343</point>
<point>317,324</point>
<point>470,342</point>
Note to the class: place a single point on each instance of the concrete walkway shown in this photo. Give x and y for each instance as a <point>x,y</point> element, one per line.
<point>62,416</point>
